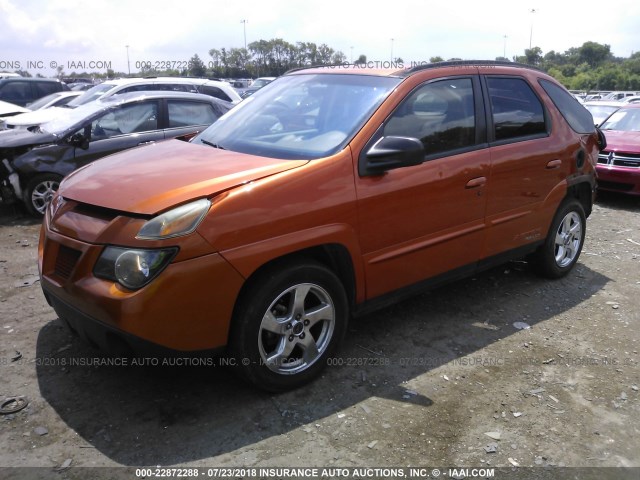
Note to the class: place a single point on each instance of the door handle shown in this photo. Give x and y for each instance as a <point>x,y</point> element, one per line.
<point>476,182</point>
<point>147,143</point>
<point>554,164</point>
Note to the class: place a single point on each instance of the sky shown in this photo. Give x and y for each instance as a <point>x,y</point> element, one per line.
<point>38,35</point>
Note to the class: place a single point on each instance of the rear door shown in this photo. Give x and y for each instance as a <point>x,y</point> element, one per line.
<point>526,164</point>
<point>188,117</point>
<point>422,221</point>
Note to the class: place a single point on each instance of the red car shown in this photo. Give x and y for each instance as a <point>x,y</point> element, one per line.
<point>619,162</point>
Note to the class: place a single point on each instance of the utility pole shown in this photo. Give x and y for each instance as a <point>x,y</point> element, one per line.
<point>533,10</point>
<point>128,64</point>
<point>392,50</point>
<point>244,26</point>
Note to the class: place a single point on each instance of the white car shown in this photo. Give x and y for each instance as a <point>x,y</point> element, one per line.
<point>33,113</point>
<point>601,109</point>
<point>213,88</point>
<point>56,99</point>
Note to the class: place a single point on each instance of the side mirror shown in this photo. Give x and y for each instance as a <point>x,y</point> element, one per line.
<point>602,140</point>
<point>80,140</point>
<point>393,152</point>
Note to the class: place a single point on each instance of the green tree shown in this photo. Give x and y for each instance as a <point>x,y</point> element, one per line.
<point>197,67</point>
<point>594,54</point>
<point>436,59</point>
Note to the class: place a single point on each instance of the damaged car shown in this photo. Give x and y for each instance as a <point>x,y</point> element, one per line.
<point>33,161</point>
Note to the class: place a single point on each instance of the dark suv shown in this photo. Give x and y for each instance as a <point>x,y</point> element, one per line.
<point>22,91</point>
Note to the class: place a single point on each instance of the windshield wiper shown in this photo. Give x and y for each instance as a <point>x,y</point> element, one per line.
<point>211,144</point>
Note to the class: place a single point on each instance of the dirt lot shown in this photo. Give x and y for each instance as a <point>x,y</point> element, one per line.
<point>417,384</point>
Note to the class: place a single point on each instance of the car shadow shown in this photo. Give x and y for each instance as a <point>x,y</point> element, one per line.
<point>618,201</point>
<point>15,214</point>
<point>171,415</point>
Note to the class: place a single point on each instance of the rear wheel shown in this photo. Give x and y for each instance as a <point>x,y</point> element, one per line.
<point>40,190</point>
<point>564,242</point>
<point>288,323</point>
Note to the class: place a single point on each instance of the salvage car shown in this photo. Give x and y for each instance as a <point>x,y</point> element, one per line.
<point>331,193</point>
<point>619,163</point>
<point>33,161</point>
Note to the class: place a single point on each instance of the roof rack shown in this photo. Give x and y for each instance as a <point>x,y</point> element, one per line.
<point>454,63</point>
<point>417,68</point>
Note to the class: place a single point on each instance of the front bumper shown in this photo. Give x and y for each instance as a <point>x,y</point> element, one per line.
<point>188,307</point>
<point>619,179</point>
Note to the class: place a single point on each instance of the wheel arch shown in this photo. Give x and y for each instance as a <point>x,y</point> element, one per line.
<point>583,192</point>
<point>334,256</point>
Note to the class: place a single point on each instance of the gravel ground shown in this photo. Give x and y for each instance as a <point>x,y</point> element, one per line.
<point>445,379</point>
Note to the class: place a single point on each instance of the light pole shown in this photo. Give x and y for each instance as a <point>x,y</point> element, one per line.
<point>128,64</point>
<point>351,62</point>
<point>533,10</point>
<point>504,50</point>
<point>392,50</point>
<point>244,26</point>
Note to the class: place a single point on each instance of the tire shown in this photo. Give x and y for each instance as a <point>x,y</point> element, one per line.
<point>562,247</point>
<point>287,324</point>
<point>39,192</point>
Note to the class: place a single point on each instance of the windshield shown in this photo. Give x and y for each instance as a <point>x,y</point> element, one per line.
<point>260,82</point>
<point>300,116</point>
<point>71,119</point>
<point>38,104</point>
<point>600,112</point>
<point>625,120</point>
<point>90,95</point>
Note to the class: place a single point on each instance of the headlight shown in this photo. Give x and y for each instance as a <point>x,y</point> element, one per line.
<point>174,223</point>
<point>132,267</point>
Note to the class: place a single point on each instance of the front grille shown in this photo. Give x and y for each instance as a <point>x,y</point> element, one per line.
<point>619,159</point>
<point>66,261</point>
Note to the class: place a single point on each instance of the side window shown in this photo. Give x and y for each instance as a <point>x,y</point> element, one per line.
<point>184,113</point>
<point>16,92</point>
<point>214,92</point>
<point>45,88</point>
<point>517,111</point>
<point>441,114</point>
<point>134,88</point>
<point>140,117</point>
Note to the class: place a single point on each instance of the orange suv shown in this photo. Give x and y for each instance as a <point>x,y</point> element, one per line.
<point>330,192</point>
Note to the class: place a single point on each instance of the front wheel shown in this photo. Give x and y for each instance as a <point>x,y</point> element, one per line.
<point>287,324</point>
<point>40,190</point>
<point>563,244</point>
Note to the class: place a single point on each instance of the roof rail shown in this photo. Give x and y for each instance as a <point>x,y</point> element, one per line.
<point>454,63</point>
<point>418,68</point>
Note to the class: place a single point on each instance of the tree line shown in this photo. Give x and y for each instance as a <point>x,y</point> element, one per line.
<point>591,66</point>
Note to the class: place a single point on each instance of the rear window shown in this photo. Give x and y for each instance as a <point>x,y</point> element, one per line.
<point>517,111</point>
<point>215,92</point>
<point>578,117</point>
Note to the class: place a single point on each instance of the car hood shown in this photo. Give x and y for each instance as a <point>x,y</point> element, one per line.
<point>37,117</point>
<point>23,138</point>
<point>153,178</point>
<point>7,108</point>
<point>618,141</point>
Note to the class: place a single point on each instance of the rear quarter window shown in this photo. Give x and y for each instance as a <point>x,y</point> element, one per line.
<point>578,117</point>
